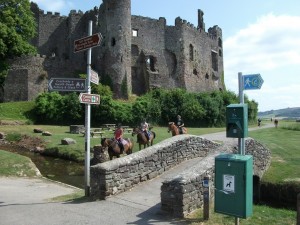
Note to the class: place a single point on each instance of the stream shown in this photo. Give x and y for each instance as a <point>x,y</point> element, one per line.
<point>57,169</point>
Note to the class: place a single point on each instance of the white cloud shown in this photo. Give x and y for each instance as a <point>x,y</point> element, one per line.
<point>271,47</point>
<point>52,6</point>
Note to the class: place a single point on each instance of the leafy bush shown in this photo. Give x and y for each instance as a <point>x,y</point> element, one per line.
<point>158,107</point>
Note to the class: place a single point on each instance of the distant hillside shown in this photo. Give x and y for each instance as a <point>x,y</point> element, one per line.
<point>288,112</point>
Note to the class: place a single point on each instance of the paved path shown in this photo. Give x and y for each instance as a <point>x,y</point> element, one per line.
<point>26,201</point>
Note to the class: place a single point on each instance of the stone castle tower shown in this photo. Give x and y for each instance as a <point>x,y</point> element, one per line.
<point>137,53</point>
<point>116,17</point>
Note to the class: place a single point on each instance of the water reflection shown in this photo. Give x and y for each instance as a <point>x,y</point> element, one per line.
<point>68,172</point>
<point>64,171</point>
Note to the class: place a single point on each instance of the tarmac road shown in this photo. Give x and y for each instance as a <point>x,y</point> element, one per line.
<point>25,201</point>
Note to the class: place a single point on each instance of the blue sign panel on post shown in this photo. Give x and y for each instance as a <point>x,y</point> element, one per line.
<point>253,81</point>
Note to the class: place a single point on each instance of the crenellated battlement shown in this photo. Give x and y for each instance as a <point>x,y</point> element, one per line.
<point>136,51</point>
<point>212,33</point>
<point>150,20</point>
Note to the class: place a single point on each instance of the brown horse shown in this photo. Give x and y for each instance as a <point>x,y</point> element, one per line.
<point>113,147</point>
<point>175,130</point>
<point>142,139</point>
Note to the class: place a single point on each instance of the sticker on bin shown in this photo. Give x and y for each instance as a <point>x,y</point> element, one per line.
<point>228,183</point>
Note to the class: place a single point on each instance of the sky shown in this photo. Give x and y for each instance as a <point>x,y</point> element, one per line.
<point>259,37</point>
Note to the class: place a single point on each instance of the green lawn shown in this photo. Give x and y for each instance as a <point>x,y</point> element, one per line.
<point>16,165</point>
<point>284,145</point>
<point>16,111</point>
<point>76,151</point>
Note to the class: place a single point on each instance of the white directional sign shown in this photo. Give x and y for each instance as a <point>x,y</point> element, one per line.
<point>89,98</point>
<point>94,77</point>
<point>253,81</point>
<point>66,84</point>
<point>87,42</point>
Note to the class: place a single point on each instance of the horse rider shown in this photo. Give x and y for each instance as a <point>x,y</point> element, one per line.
<point>179,123</point>
<point>119,137</point>
<point>145,129</point>
<point>259,122</point>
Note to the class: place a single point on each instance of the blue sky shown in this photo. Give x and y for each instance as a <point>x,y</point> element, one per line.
<point>258,37</point>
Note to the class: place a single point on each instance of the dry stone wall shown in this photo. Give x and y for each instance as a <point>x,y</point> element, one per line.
<point>119,175</point>
<point>183,194</point>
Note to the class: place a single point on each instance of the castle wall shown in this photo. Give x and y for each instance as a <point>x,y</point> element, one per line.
<point>196,58</point>
<point>118,45</point>
<point>148,55</point>
<point>137,53</point>
<point>26,79</point>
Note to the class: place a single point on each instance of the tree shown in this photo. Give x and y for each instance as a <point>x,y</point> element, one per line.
<point>17,28</point>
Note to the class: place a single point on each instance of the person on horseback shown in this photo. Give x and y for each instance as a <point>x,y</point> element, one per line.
<point>119,136</point>
<point>179,123</point>
<point>145,129</point>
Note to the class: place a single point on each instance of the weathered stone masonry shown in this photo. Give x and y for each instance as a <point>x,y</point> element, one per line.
<point>122,174</point>
<point>183,193</point>
<point>137,53</point>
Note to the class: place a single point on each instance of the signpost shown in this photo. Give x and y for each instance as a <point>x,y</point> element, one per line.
<point>66,84</point>
<point>246,82</point>
<point>94,77</point>
<point>253,81</point>
<point>87,42</point>
<point>89,98</point>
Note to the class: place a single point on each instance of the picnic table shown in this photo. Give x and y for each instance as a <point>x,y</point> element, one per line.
<point>109,126</point>
<point>94,132</point>
<point>127,128</point>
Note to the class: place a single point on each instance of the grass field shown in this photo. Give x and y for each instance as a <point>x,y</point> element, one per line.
<point>76,151</point>
<point>283,143</point>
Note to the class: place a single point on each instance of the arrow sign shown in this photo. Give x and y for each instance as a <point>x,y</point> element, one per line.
<point>87,42</point>
<point>89,98</point>
<point>66,84</point>
<point>94,77</point>
<point>252,81</point>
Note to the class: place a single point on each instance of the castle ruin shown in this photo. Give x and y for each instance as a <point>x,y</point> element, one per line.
<point>136,54</point>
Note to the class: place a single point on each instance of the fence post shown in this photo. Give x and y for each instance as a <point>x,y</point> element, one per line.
<point>206,197</point>
<point>298,209</point>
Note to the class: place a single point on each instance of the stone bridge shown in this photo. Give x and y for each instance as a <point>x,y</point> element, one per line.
<point>182,191</point>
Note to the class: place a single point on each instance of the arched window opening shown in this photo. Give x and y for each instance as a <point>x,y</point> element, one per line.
<point>220,42</point>
<point>214,60</point>
<point>113,41</point>
<point>195,72</point>
<point>134,32</point>
<point>150,60</point>
<point>191,52</point>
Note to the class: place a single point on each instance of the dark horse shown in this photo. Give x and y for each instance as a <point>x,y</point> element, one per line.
<point>114,148</point>
<point>175,130</point>
<point>142,139</point>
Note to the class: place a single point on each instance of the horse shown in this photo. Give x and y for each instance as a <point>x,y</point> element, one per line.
<point>142,139</point>
<point>114,148</point>
<point>276,123</point>
<point>175,130</point>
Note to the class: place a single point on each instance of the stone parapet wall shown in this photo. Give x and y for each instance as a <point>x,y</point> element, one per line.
<point>119,175</point>
<point>183,193</point>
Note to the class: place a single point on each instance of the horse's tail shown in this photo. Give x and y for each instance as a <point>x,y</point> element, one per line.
<point>154,134</point>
